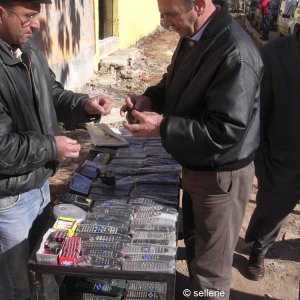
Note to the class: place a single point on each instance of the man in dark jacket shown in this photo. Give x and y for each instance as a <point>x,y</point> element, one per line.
<point>278,160</point>
<point>31,104</point>
<point>206,110</point>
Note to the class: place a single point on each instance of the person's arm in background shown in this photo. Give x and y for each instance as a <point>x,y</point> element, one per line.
<point>266,95</point>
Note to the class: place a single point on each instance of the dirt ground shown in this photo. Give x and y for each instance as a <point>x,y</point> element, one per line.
<point>283,261</point>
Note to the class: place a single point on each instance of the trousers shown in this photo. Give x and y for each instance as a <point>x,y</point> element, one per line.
<point>266,19</point>
<point>22,220</point>
<point>212,223</point>
<point>271,210</point>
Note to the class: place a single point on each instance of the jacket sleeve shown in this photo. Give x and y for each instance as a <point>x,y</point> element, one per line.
<point>231,101</point>
<point>23,152</point>
<point>157,94</point>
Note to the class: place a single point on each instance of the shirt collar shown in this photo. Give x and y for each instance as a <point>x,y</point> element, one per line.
<point>196,37</point>
<point>15,50</point>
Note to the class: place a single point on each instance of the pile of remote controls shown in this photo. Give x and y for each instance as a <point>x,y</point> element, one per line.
<point>114,289</point>
<point>130,195</point>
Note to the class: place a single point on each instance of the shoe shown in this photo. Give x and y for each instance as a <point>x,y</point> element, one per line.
<point>264,38</point>
<point>256,266</point>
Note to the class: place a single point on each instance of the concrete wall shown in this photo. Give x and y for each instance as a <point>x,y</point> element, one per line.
<point>69,34</point>
<point>136,19</point>
<point>68,38</point>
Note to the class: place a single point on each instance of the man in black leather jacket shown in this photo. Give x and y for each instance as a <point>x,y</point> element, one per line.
<point>31,104</point>
<point>206,110</point>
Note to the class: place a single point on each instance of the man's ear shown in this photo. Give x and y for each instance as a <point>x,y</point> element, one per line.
<point>199,6</point>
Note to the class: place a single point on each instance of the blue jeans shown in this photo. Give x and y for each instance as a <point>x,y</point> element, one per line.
<point>22,220</point>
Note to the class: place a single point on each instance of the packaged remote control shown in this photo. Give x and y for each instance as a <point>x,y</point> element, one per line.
<point>108,223</point>
<point>98,287</point>
<point>119,283</point>
<point>149,266</point>
<point>101,252</point>
<point>90,228</point>
<point>157,207</point>
<point>115,204</point>
<point>170,243</point>
<point>124,213</point>
<point>151,286</point>
<point>147,249</point>
<point>107,218</point>
<point>100,262</point>
<point>154,235</point>
<point>155,214</point>
<point>154,220</point>
<point>103,198</point>
<point>88,296</point>
<point>143,295</point>
<point>110,238</point>
<point>102,245</point>
<point>146,257</point>
<point>152,227</point>
<point>153,200</point>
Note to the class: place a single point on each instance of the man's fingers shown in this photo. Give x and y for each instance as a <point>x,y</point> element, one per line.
<point>71,141</point>
<point>139,115</point>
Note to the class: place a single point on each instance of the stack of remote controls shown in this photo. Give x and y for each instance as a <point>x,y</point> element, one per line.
<point>130,198</point>
<point>114,289</point>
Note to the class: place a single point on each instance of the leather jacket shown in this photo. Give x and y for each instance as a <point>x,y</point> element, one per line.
<point>210,99</point>
<point>31,104</point>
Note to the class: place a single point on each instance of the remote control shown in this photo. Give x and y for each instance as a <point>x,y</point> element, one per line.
<point>138,285</point>
<point>145,257</point>
<point>89,228</point>
<point>110,238</point>
<point>147,249</point>
<point>88,296</point>
<point>146,208</point>
<point>143,295</point>
<point>101,262</point>
<point>155,214</point>
<point>152,227</point>
<point>98,287</point>
<point>154,220</point>
<point>154,235</point>
<point>154,242</point>
<point>102,245</point>
<point>102,252</point>
<point>149,266</point>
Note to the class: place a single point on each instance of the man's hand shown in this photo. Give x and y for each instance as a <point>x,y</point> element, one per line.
<point>66,148</point>
<point>149,124</point>
<point>98,105</point>
<point>139,103</point>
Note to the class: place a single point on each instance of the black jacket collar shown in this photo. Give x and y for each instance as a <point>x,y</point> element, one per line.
<point>221,20</point>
